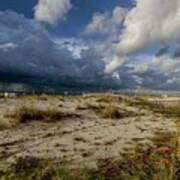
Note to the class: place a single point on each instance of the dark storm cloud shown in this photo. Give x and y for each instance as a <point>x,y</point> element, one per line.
<point>28,53</point>
<point>162,51</point>
<point>27,50</point>
<point>34,52</point>
<point>176,53</point>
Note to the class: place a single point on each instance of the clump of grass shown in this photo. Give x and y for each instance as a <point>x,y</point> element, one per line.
<point>96,107</point>
<point>114,112</point>
<point>24,163</point>
<point>26,114</point>
<point>6,123</point>
<point>1,96</point>
<point>33,168</point>
<point>157,163</point>
<point>43,97</point>
<point>160,162</point>
<point>169,112</point>
<point>151,164</point>
<point>109,99</point>
<point>172,112</point>
<point>107,111</point>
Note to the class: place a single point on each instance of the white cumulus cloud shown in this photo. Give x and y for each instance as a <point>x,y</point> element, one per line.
<point>106,23</point>
<point>50,11</point>
<point>149,22</point>
<point>114,63</point>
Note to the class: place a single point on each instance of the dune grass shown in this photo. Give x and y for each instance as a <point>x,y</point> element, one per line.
<point>115,112</point>
<point>32,168</point>
<point>106,109</point>
<point>6,123</point>
<point>26,114</point>
<point>156,107</point>
<point>160,162</point>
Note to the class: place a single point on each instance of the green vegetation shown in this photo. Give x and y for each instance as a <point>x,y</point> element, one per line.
<point>31,168</point>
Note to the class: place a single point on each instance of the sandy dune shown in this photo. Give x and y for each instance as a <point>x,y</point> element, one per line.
<point>81,140</point>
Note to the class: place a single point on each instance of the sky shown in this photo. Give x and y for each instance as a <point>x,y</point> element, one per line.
<point>117,43</point>
<point>80,14</point>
